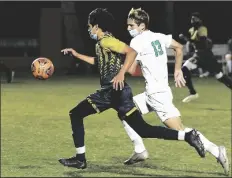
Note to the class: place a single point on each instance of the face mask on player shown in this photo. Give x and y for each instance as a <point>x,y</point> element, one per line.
<point>134,32</point>
<point>93,36</point>
<point>195,21</point>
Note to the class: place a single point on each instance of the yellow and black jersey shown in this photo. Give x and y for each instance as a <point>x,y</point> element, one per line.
<point>196,35</point>
<point>109,58</point>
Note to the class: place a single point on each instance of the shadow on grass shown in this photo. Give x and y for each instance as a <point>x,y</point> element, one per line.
<point>131,170</point>
<point>150,166</point>
<point>177,170</point>
<point>121,170</point>
<point>29,167</point>
<point>216,109</point>
<point>93,168</point>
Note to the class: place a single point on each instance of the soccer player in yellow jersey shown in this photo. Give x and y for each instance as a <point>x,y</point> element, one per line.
<point>202,56</point>
<point>114,92</point>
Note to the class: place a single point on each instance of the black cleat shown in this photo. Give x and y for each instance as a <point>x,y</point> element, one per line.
<point>194,140</point>
<point>73,162</point>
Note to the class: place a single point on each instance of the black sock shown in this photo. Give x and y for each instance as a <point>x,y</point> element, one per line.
<point>81,157</point>
<point>226,80</point>
<point>77,115</point>
<point>188,79</point>
<point>146,130</point>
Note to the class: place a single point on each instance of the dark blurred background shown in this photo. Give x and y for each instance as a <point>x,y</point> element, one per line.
<point>32,29</point>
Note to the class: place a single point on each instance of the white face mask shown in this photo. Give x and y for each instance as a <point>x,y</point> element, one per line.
<point>134,32</point>
<point>93,36</point>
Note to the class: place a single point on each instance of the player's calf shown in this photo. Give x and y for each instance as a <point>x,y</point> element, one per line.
<point>174,123</point>
<point>187,75</point>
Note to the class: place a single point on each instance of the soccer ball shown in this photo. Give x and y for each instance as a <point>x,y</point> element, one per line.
<point>42,68</point>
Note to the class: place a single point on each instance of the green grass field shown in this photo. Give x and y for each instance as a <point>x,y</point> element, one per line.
<point>36,132</point>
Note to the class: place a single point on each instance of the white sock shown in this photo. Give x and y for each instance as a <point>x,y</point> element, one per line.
<point>181,135</point>
<point>219,75</point>
<point>135,138</point>
<point>188,129</point>
<point>229,65</point>
<point>209,146</point>
<point>80,150</point>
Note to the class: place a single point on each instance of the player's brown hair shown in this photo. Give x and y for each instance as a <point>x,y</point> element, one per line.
<point>139,16</point>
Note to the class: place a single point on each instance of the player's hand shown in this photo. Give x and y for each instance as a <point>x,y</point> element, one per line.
<point>179,78</point>
<point>118,81</point>
<point>69,51</point>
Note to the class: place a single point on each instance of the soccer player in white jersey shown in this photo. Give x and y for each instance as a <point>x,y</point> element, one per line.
<point>152,61</point>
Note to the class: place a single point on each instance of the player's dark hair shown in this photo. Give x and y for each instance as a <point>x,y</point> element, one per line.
<point>102,18</point>
<point>139,16</point>
<point>196,14</point>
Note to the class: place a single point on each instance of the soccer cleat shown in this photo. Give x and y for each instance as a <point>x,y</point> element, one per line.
<point>223,160</point>
<point>137,157</point>
<point>190,98</point>
<point>73,162</point>
<point>194,140</point>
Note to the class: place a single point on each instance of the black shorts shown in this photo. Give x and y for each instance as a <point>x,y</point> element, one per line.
<point>207,61</point>
<point>121,100</point>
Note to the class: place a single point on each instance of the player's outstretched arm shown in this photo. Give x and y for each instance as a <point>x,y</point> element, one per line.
<point>178,75</point>
<point>77,55</point>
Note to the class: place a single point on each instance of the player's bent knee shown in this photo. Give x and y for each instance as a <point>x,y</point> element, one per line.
<point>126,112</point>
<point>82,110</point>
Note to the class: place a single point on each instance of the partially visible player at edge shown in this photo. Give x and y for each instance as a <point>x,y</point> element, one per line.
<point>152,62</point>
<point>108,50</point>
<point>202,57</point>
<point>228,57</point>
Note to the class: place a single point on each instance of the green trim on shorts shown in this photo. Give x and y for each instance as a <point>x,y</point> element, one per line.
<point>93,105</point>
<point>131,111</point>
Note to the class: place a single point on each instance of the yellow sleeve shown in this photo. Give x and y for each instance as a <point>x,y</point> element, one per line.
<point>202,31</point>
<point>190,31</point>
<point>113,44</point>
<point>193,34</point>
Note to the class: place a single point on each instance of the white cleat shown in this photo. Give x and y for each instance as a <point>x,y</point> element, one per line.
<point>206,74</point>
<point>190,98</point>
<point>223,159</point>
<point>137,157</point>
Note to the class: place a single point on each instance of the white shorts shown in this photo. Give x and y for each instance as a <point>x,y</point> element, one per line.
<point>160,103</point>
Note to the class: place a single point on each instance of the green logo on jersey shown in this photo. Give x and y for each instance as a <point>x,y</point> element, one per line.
<point>157,48</point>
